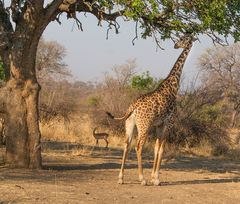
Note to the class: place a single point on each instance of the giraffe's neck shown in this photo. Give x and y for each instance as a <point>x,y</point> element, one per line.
<point>173,78</point>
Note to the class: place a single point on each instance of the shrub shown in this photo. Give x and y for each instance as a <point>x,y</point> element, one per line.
<point>220,149</point>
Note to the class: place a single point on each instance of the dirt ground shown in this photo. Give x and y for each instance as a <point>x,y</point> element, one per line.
<point>74,176</point>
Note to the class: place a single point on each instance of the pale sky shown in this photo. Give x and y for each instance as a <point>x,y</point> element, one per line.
<point>89,54</point>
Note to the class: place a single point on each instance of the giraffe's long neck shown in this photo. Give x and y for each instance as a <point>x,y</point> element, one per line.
<point>173,78</point>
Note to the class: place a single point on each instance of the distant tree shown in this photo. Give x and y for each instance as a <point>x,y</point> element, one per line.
<point>113,93</point>
<point>49,61</point>
<point>52,71</point>
<point>116,85</point>
<point>221,73</point>
<point>22,24</point>
<point>143,82</point>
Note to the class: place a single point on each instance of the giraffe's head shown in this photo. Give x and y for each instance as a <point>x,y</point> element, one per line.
<point>184,41</point>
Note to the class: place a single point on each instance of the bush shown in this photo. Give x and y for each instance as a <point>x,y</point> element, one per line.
<point>220,149</point>
<point>199,118</point>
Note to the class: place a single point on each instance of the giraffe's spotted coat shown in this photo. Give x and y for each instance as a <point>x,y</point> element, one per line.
<point>157,108</point>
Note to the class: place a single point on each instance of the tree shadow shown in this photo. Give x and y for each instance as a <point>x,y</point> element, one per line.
<point>179,163</point>
<point>201,181</point>
<point>99,166</point>
<point>214,165</point>
<point>110,159</point>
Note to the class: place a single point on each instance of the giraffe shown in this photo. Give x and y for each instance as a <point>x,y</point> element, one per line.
<point>158,109</point>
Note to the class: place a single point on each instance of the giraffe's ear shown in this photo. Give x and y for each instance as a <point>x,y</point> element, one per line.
<point>190,36</point>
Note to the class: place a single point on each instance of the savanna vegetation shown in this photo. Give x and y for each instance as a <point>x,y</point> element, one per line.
<point>22,23</point>
<point>207,122</point>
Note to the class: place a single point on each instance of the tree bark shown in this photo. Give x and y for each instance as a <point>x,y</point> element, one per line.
<point>19,100</point>
<point>1,132</point>
<point>234,118</point>
<point>21,125</point>
<point>19,96</point>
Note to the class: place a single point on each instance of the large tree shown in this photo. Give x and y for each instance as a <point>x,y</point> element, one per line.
<point>22,23</point>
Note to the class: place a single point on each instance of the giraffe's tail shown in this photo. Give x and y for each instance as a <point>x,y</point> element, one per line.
<point>127,114</point>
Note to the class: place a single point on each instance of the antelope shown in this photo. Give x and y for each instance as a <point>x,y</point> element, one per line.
<point>100,136</point>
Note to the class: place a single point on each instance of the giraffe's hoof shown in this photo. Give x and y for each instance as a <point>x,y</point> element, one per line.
<point>143,182</point>
<point>156,182</point>
<point>120,181</point>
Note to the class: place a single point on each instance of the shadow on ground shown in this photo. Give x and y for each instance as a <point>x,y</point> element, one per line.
<point>105,160</point>
<point>180,163</point>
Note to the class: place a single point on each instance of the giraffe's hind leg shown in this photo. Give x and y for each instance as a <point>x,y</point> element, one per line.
<point>130,124</point>
<point>141,141</point>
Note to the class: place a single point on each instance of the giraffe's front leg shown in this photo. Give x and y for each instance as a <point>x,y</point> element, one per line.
<point>156,148</point>
<point>155,175</point>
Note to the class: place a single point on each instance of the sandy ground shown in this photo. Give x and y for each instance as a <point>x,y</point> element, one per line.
<point>71,177</point>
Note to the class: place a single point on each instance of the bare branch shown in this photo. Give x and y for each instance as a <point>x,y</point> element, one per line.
<point>136,33</point>
<point>73,6</point>
<point>115,25</point>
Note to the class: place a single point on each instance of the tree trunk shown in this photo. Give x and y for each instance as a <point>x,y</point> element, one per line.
<point>19,96</point>
<point>20,105</point>
<point>22,129</point>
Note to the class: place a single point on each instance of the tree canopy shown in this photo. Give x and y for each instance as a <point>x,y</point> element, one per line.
<point>162,19</point>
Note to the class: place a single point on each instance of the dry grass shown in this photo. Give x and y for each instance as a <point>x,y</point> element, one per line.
<point>234,134</point>
<point>234,153</point>
<point>80,132</point>
<point>204,149</point>
<point>77,131</point>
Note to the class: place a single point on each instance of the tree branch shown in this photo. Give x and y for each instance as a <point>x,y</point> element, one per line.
<point>15,10</point>
<point>6,29</point>
<point>51,10</point>
<point>89,6</point>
